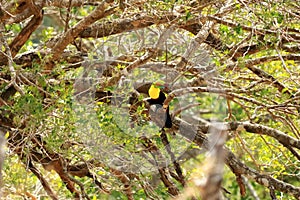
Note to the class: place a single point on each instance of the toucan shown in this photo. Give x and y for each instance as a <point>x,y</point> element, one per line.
<point>160,116</point>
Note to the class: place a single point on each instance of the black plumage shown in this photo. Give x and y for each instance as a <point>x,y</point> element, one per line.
<point>160,116</point>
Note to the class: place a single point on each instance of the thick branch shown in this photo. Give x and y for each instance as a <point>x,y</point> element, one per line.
<point>125,180</point>
<point>43,181</point>
<point>124,25</point>
<point>239,168</point>
<point>24,35</point>
<point>11,9</point>
<point>214,164</point>
<point>281,137</point>
<point>177,166</point>
<point>73,3</point>
<point>162,169</point>
<point>72,33</point>
<point>191,133</point>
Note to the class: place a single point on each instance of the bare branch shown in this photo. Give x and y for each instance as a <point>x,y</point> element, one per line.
<point>283,138</point>
<point>210,187</point>
<point>237,167</point>
<point>44,182</point>
<point>24,35</point>
<point>8,54</point>
<point>73,32</point>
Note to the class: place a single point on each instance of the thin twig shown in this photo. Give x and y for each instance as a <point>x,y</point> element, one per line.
<point>11,68</point>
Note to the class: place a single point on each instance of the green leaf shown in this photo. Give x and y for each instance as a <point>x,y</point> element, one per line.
<point>238,29</point>
<point>188,15</point>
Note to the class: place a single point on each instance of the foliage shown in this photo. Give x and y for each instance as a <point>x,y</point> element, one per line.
<point>74,80</point>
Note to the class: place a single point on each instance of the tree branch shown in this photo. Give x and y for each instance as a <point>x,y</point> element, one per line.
<point>43,181</point>
<point>73,32</point>
<point>281,137</point>
<point>25,33</point>
<point>237,167</point>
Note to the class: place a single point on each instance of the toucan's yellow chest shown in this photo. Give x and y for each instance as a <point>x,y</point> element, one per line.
<point>154,92</point>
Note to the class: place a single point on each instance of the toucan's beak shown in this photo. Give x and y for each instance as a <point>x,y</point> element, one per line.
<point>162,86</point>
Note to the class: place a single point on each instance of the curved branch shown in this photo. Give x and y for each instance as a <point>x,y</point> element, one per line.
<point>281,137</point>
<point>124,25</point>
<point>24,35</point>
<point>240,168</point>
<point>12,9</point>
<point>73,32</point>
<point>43,181</point>
<point>198,136</point>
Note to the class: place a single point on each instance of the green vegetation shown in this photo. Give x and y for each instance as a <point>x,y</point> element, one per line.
<point>74,102</point>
